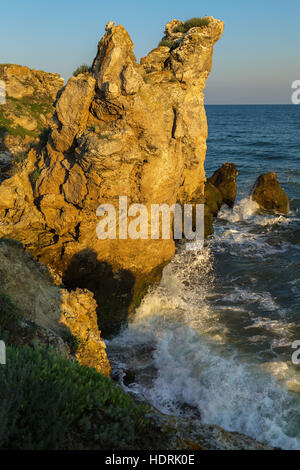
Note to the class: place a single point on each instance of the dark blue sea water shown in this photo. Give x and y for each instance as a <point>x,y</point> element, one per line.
<point>214,340</point>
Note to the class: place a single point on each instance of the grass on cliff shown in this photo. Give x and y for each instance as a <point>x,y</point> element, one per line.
<point>192,23</point>
<point>166,43</point>
<point>48,402</point>
<point>84,68</point>
<point>31,107</point>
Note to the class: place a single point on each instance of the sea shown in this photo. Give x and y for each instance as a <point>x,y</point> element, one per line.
<point>214,340</point>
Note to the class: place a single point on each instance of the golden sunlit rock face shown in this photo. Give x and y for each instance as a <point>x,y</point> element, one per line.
<point>125,129</point>
<point>26,113</point>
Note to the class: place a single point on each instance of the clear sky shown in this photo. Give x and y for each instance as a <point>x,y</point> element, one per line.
<point>255,61</point>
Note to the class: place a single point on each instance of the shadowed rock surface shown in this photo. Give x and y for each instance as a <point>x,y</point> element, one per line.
<point>221,188</point>
<point>269,195</point>
<point>225,182</point>
<point>54,312</point>
<point>130,129</point>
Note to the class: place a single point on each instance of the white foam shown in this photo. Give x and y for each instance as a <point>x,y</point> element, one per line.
<point>227,391</point>
<point>263,300</point>
<point>247,210</point>
<point>243,210</point>
<point>187,359</point>
<point>237,243</point>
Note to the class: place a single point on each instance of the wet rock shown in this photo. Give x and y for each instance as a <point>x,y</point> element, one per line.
<point>192,434</point>
<point>221,188</point>
<point>213,198</point>
<point>269,195</point>
<point>225,180</point>
<point>129,377</point>
<point>185,433</point>
<point>208,221</point>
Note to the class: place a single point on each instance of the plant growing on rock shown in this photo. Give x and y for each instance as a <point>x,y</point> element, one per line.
<point>9,318</point>
<point>46,400</point>
<point>192,23</point>
<point>84,68</point>
<point>35,176</point>
<point>73,342</point>
<point>166,43</point>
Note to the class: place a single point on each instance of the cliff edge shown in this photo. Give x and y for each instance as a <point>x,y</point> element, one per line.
<point>126,129</point>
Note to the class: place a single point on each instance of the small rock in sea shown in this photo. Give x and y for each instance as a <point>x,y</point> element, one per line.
<point>269,195</point>
<point>224,179</point>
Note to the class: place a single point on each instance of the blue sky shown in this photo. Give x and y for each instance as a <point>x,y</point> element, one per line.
<point>256,60</point>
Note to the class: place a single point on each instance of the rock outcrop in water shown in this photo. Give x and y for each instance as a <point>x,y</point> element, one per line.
<point>127,129</point>
<point>269,195</point>
<point>221,188</point>
<point>224,179</point>
<point>53,313</point>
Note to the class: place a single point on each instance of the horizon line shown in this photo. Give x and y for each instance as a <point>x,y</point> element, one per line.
<point>249,104</point>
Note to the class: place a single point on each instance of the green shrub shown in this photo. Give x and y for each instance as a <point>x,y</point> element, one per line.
<point>20,157</point>
<point>82,69</point>
<point>34,176</point>
<point>192,23</point>
<point>102,136</point>
<point>166,43</point>
<point>73,342</point>
<point>9,318</point>
<point>45,399</point>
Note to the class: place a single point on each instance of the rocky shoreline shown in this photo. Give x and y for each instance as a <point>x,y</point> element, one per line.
<point>122,128</point>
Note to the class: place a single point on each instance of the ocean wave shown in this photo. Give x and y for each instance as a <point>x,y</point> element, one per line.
<point>236,243</point>
<point>260,143</point>
<point>263,300</point>
<point>176,344</point>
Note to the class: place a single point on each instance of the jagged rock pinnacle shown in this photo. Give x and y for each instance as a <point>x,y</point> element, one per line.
<point>109,25</point>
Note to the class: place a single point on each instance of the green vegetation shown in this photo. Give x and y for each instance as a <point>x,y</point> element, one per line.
<point>48,402</point>
<point>102,136</point>
<point>192,23</point>
<point>166,43</point>
<point>31,107</point>
<point>82,69</point>
<point>9,318</point>
<point>19,157</point>
<point>35,176</point>
<point>73,342</point>
<point>6,125</point>
<point>183,28</point>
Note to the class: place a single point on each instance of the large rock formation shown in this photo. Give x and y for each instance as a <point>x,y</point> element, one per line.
<point>127,129</point>
<point>29,98</point>
<point>269,195</point>
<point>56,313</point>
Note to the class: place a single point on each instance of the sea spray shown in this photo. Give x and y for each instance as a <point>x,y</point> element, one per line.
<point>188,364</point>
